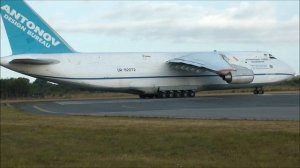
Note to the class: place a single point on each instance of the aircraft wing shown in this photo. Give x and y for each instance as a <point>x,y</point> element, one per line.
<point>211,61</point>
<point>33,61</point>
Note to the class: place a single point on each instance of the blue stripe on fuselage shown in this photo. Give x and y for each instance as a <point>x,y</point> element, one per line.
<point>146,77</point>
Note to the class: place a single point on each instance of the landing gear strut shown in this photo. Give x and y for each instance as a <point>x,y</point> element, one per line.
<point>258,91</point>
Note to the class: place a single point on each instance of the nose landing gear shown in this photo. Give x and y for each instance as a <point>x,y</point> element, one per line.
<point>258,91</point>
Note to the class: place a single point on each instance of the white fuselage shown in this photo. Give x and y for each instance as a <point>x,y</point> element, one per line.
<point>146,72</point>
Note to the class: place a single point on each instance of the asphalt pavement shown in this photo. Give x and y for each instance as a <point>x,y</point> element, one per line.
<point>252,107</point>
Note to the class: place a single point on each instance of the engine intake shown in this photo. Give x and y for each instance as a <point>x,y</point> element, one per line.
<point>240,76</point>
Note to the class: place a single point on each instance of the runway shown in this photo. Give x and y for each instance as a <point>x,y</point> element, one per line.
<point>250,107</point>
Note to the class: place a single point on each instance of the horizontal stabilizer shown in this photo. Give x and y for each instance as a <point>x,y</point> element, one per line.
<point>33,61</point>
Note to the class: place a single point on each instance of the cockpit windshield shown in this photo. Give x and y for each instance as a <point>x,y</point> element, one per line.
<point>271,56</point>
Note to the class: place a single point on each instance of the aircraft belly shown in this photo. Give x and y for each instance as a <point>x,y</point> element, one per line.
<point>150,85</point>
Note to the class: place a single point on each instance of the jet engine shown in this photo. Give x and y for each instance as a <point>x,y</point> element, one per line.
<point>242,75</point>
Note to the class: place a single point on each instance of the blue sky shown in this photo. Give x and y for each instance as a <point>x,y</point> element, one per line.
<point>137,26</point>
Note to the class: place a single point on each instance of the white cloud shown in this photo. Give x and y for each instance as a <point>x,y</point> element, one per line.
<point>246,22</point>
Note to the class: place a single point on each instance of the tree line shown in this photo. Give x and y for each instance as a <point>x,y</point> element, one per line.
<point>21,88</point>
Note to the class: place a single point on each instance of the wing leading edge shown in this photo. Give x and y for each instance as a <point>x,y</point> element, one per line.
<point>31,61</point>
<point>211,61</point>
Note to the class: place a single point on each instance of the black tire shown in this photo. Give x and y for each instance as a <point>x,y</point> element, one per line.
<point>184,93</point>
<point>192,94</point>
<point>261,92</point>
<point>177,94</point>
<point>162,95</point>
<point>171,94</point>
<point>167,94</point>
<point>255,92</point>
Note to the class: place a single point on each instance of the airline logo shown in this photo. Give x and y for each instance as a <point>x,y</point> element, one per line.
<point>28,26</point>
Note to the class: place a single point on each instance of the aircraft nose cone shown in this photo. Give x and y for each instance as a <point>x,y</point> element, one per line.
<point>290,71</point>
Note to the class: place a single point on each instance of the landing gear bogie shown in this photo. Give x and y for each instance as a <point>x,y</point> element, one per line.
<point>258,91</point>
<point>169,94</point>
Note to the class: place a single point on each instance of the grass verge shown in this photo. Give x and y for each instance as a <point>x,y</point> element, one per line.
<point>30,140</point>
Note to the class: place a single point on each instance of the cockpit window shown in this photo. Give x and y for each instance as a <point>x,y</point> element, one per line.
<point>271,56</point>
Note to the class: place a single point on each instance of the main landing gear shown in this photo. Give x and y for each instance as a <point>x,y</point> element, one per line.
<point>170,94</point>
<point>258,91</point>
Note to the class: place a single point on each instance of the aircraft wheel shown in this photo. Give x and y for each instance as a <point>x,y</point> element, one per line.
<point>184,93</point>
<point>177,94</point>
<point>261,92</point>
<point>162,95</point>
<point>255,92</point>
<point>191,94</point>
<point>169,94</point>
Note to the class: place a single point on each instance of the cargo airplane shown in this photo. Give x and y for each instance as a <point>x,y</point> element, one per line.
<point>38,51</point>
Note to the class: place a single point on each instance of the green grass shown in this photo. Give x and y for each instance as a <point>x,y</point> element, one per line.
<point>30,140</point>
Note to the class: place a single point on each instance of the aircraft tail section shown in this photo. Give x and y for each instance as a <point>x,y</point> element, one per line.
<point>27,32</point>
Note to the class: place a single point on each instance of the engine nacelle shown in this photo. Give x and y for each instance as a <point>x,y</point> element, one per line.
<point>240,76</point>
